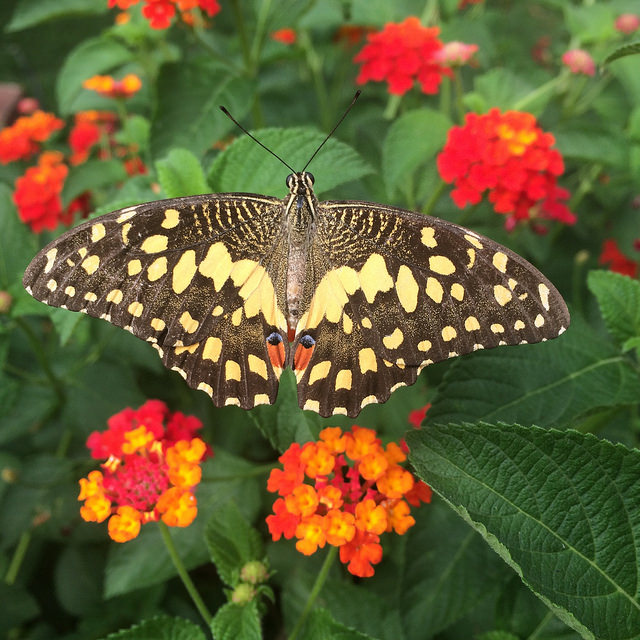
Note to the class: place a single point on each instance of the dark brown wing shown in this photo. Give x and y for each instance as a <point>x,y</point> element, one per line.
<point>198,277</point>
<point>396,291</point>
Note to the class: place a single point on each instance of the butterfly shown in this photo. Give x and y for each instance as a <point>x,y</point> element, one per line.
<point>356,297</point>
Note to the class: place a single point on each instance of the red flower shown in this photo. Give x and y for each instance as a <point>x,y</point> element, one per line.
<point>417,416</point>
<point>160,13</point>
<point>401,54</point>
<point>22,139</point>
<point>511,157</point>
<point>357,491</point>
<point>579,61</point>
<point>111,88</point>
<point>284,36</point>
<point>627,22</point>
<point>37,193</point>
<point>616,260</point>
<point>148,473</point>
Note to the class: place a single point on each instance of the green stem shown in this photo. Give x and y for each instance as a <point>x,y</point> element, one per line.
<point>433,199</point>
<point>315,591</point>
<point>430,13</point>
<point>534,95</point>
<point>18,557</point>
<point>261,22</point>
<point>183,573</point>
<point>314,63</point>
<point>392,107</point>
<point>459,90</point>
<point>244,40</point>
<point>585,186</point>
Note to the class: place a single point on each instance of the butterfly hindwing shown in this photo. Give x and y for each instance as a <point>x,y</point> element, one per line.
<point>195,276</point>
<point>397,291</point>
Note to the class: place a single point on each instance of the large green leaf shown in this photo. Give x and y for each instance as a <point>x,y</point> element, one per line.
<point>413,140</point>
<point>546,384</point>
<point>232,542</point>
<point>28,13</point>
<point>619,301</point>
<point>91,175</point>
<point>161,628</point>
<point>93,56</point>
<point>187,113</point>
<point>631,49</point>
<point>237,622</point>
<point>321,626</point>
<point>180,174</point>
<point>561,508</point>
<point>244,166</point>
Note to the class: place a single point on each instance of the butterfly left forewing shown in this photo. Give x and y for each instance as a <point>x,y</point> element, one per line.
<point>397,291</point>
<point>196,277</point>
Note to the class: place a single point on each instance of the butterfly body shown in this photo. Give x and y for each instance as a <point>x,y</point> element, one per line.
<point>355,297</point>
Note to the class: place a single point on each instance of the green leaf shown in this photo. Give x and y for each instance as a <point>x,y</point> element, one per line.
<point>498,635</point>
<point>561,508</point>
<point>591,22</point>
<point>236,622</point>
<point>136,131</point>
<point>188,114</point>
<point>619,301</point>
<point>593,143</point>
<point>232,542</point>
<point>244,166</point>
<point>64,322</point>
<point>91,57</point>
<point>284,422</point>
<point>320,625</point>
<point>631,49</point>
<point>91,175</point>
<point>413,140</point>
<point>547,384</point>
<point>17,244</point>
<point>180,174</point>
<point>29,14</point>
<point>161,628</point>
<point>504,89</point>
<point>24,607</point>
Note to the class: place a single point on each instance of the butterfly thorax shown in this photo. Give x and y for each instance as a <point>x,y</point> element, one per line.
<point>299,218</point>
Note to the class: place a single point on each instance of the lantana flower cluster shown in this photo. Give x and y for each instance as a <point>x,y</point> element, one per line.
<point>511,157</point>
<point>618,261</point>
<point>356,491</point>
<point>150,471</point>
<point>160,13</point>
<point>403,53</point>
<point>37,193</point>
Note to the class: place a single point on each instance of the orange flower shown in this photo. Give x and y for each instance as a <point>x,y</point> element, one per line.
<point>358,493</point>
<point>160,13</point>
<point>111,88</point>
<point>24,137</point>
<point>402,54</point>
<point>149,473</point>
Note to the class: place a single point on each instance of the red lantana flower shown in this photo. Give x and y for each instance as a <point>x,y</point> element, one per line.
<point>23,138</point>
<point>402,54</point>
<point>284,36</point>
<point>356,490</point>
<point>88,129</point>
<point>512,158</point>
<point>160,13</point>
<point>617,260</point>
<point>37,193</point>
<point>579,61</point>
<point>151,468</point>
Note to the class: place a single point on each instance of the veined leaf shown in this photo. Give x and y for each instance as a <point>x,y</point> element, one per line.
<point>161,628</point>
<point>631,49</point>
<point>560,507</point>
<point>180,174</point>
<point>29,14</point>
<point>237,622</point>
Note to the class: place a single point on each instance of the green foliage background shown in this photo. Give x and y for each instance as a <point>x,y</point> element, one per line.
<point>534,528</point>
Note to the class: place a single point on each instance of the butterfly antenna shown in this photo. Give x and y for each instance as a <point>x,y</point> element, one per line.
<point>275,155</point>
<point>344,115</point>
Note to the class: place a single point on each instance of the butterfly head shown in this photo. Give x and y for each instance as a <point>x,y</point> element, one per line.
<point>300,183</point>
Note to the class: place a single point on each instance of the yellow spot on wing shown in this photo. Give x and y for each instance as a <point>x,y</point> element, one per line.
<point>457,291</point>
<point>497,328</point>
<point>319,371</point>
<point>115,296</point>
<point>157,269</point>
<point>434,289</point>
<point>135,309</point>
<point>189,324</point>
<point>367,360</point>
<point>125,232</point>
<point>539,321</point>
<point>232,370</point>
<point>366,323</point>
<point>70,291</point>
<point>51,258</point>
<point>134,267</point>
<point>427,236</point>
<point>91,264</point>
<point>97,232</point>
<point>347,324</point>
<point>441,265</point>
<point>90,296</point>
<point>472,257</point>
<point>190,348</point>
<point>261,398</point>
<point>257,365</point>
<point>344,379</point>
<point>312,405</point>
<point>184,271</point>
<point>519,325</point>
<point>212,349</point>
<point>171,218</point>
<point>374,277</point>
<point>407,289</point>
<point>472,324</point>
<point>500,261</point>
<point>394,340</point>
<point>424,345</point>
<point>155,244</point>
<point>216,265</point>
<point>502,294</point>
<point>544,295</point>
<point>473,240</point>
<point>52,285</point>
<point>449,333</point>
<point>158,324</point>
<point>236,317</point>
